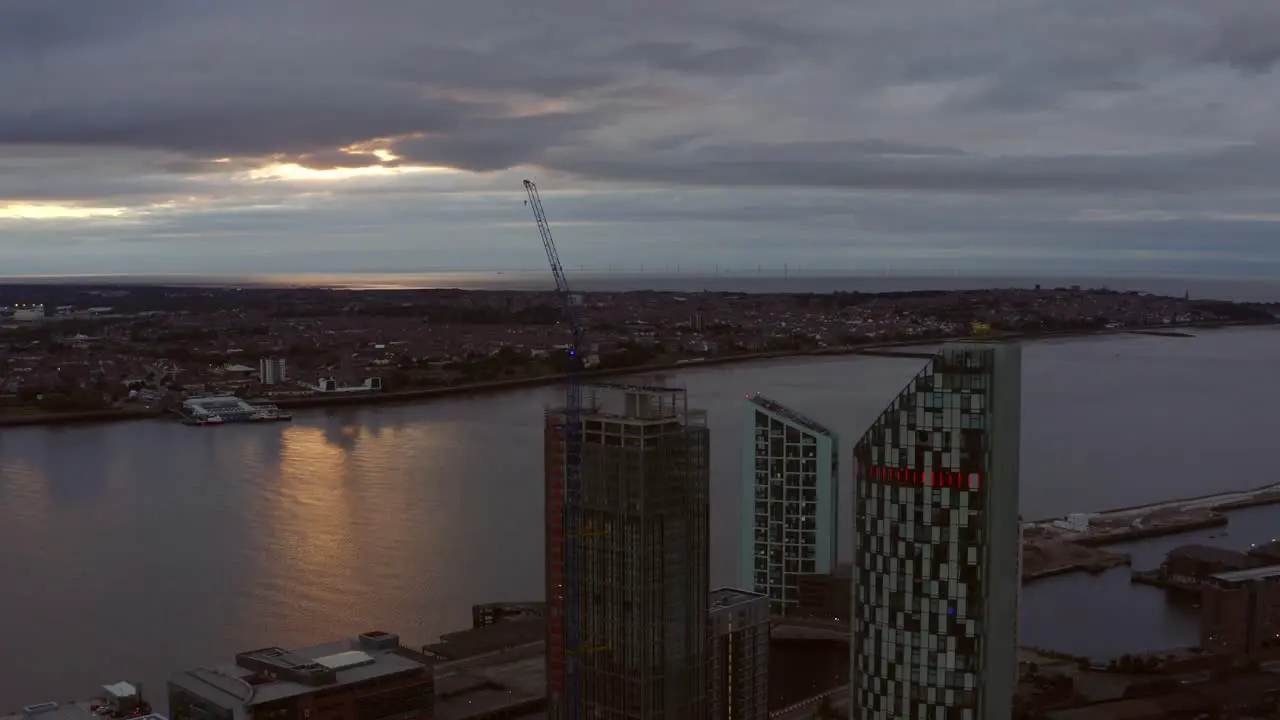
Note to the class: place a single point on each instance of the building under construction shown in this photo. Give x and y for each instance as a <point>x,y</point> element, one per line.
<point>642,556</point>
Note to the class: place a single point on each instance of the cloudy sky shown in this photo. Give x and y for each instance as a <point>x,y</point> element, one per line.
<point>246,136</point>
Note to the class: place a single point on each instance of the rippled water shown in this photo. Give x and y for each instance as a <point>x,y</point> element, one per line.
<point>131,549</point>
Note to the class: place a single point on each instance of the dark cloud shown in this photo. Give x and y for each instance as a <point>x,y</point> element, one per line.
<point>489,144</point>
<point>843,126</point>
<point>690,58</point>
<point>1250,40</point>
<point>266,121</point>
<point>881,165</point>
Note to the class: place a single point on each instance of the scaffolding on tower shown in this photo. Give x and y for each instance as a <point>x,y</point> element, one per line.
<point>572,429</point>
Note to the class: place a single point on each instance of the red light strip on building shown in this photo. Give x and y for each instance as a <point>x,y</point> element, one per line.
<point>925,478</point>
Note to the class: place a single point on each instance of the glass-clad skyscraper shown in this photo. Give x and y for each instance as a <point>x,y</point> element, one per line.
<point>790,468</point>
<point>937,543</point>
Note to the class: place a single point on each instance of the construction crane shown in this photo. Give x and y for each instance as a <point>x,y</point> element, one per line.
<point>572,429</point>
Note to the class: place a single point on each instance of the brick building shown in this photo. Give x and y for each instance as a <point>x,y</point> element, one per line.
<point>1240,611</point>
<point>1266,553</point>
<point>826,596</point>
<point>1194,564</point>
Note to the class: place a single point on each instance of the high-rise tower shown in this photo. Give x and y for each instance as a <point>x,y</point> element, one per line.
<point>739,655</point>
<point>790,470</point>
<point>643,555</point>
<point>937,543</point>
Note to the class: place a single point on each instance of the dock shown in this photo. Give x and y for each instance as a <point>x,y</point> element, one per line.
<point>894,354</point>
<point>1162,333</point>
<point>1044,557</point>
<point>1074,543</point>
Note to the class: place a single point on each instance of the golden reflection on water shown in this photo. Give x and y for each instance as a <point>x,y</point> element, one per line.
<point>349,501</point>
<point>313,511</point>
<point>25,496</point>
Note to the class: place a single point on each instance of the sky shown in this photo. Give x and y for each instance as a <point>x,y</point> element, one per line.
<point>851,136</point>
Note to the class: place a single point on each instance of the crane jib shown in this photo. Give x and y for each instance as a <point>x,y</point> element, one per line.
<point>574,644</point>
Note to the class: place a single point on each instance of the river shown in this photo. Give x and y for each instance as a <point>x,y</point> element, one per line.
<point>130,549</point>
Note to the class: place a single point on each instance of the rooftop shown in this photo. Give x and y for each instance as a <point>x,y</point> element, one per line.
<point>635,404</point>
<point>1259,573</point>
<point>1266,550</point>
<point>118,701</point>
<point>1128,709</point>
<point>67,711</point>
<point>270,674</point>
<point>728,597</point>
<point>488,639</point>
<point>787,413</point>
<point>505,682</point>
<point>1210,554</point>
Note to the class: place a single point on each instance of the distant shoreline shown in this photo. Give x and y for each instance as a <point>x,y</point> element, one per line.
<point>773,280</point>
<point>494,386</point>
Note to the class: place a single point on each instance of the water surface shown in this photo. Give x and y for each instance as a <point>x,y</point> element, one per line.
<point>130,549</point>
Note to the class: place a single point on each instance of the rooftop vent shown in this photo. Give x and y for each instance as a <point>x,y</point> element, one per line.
<point>39,708</point>
<point>344,660</point>
<point>284,665</point>
<point>378,640</point>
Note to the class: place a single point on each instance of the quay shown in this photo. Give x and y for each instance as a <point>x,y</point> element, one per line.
<point>1074,543</point>
<point>893,354</point>
<point>1162,333</point>
<point>1163,518</point>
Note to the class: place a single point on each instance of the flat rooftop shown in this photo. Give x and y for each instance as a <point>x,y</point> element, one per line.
<point>722,598</point>
<point>236,687</point>
<point>508,680</point>
<point>637,404</point>
<point>1259,573</point>
<point>488,639</point>
<point>66,711</point>
<point>787,413</point>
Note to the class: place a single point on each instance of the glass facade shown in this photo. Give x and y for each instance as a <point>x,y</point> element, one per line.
<point>937,543</point>
<point>790,471</point>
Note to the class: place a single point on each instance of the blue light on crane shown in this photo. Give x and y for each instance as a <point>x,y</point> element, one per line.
<point>574,644</point>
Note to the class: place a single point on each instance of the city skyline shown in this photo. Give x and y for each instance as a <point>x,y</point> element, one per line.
<point>1122,137</point>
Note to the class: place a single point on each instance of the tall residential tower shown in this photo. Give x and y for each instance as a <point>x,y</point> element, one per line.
<point>790,469</point>
<point>739,655</point>
<point>643,556</point>
<point>937,543</point>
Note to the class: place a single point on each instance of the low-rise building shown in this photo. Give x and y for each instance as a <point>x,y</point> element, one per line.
<point>826,596</point>
<point>1266,553</point>
<point>1192,565</point>
<point>369,677</point>
<point>1240,611</point>
<point>118,701</point>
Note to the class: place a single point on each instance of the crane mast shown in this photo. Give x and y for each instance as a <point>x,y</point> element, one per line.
<point>572,488</point>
